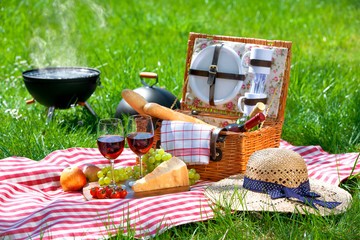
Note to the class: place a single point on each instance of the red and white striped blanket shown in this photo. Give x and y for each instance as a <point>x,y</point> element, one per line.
<point>33,204</point>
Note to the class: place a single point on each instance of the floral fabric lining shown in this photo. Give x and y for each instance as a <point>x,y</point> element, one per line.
<point>273,83</point>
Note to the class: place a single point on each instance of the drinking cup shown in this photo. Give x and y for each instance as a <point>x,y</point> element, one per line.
<point>247,103</point>
<point>263,58</point>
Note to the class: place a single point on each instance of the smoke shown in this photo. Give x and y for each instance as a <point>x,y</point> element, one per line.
<point>56,42</point>
<point>100,13</point>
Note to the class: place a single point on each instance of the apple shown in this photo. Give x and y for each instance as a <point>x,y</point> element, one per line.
<point>72,179</point>
<point>90,171</point>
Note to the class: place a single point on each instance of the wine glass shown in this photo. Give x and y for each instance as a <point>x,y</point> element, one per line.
<point>110,142</point>
<point>140,137</point>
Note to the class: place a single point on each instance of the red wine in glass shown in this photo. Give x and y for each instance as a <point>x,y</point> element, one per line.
<point>111,146</point>
<point>110,143</point>
<point>140,137</point>
<point>140,142</point>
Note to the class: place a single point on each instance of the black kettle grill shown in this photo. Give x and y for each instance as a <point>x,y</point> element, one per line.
<point>151,93</point>
<point>61,87</point>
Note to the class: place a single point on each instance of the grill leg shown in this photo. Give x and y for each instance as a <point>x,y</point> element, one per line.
<point>87,105</point>
<point>50,114</point>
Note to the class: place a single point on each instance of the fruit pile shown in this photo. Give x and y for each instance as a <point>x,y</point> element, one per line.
<point>154,158</point>
<point>151,160</point>
<point>107,192</point>
<point>121,174</point>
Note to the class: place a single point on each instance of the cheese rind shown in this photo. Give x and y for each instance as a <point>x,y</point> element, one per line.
<point>172,173</point>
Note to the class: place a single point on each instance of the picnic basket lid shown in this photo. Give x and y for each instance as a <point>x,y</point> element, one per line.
<point>277,83</point>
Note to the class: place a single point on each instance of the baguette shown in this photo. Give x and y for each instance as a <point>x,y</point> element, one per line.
<point>164,113</point>
<point>135,100</point>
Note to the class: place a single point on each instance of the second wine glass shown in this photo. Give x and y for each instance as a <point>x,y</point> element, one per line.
<point>140,137</point>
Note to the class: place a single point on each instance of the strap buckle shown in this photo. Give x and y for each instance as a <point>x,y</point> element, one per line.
<point>213,69</point>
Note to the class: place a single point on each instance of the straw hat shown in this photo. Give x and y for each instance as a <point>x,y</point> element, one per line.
<point>276,180</point>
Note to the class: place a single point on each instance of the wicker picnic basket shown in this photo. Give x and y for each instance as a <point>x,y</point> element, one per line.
<point>234,149</point>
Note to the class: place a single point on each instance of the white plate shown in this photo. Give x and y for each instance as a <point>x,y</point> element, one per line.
<point>225,89</point>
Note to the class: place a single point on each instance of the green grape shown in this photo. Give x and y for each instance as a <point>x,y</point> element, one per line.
<point>104,172</point>
<point>137,174</point>
<point>121,170</point>
<point>151,150</point>
<point>145,157</point>
<point>151,160</point>
<point>136,168</point>
<point>168,156</point>
<point>157,157</point>
<point>130,174</point>
<point>107,180</point>
<point>101,181</point>
<point>197,177</point>
<point>164,157</point>
<point>157,164</point>
<point>108,174</point>
<point>191,174</point>
<point>193,170</point>
<point>191,182</point>
<point>161,151</point>
<point>122,177</point>
<point>117,178</point>
<point>128,169</point>
<point>100,174</point>
<point>150,167</point>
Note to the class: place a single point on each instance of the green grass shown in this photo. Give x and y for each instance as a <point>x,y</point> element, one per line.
<point>123,38</point>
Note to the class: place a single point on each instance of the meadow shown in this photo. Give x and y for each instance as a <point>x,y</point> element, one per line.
<point>124,38</point>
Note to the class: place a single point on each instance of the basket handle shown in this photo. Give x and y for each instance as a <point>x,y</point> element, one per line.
<point>216,154</point>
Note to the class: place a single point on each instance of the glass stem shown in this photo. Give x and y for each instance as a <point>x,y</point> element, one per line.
<point>141,167</point>
<point>112,173</point>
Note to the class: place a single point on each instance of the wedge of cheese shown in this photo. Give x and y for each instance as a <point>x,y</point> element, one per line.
<point>172,173</point>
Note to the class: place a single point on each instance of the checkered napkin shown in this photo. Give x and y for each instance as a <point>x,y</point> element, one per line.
<point>187,141</point>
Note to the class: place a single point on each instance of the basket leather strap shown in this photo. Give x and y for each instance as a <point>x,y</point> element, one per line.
<point>260,63</point>
<point>230,76</point>
<point>214,138</point>
<point>253,102</point>
<point>212,74</point>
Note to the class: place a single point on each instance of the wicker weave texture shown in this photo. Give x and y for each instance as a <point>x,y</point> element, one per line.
<point>236,150</point>
<point>238,147</point>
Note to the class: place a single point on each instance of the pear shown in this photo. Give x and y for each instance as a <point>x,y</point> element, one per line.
<point>90,171</point>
